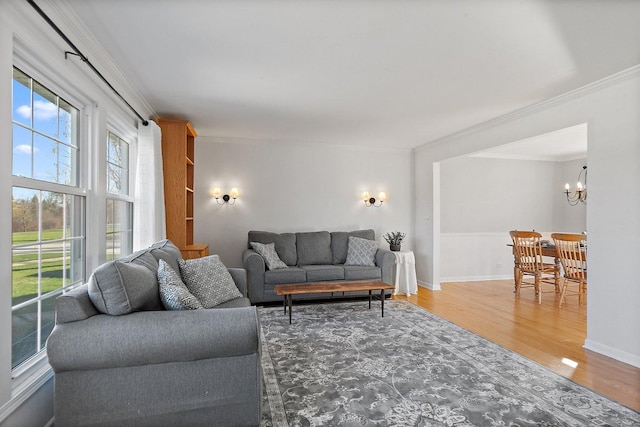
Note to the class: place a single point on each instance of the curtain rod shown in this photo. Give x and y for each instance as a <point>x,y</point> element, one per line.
<point>84,59</point>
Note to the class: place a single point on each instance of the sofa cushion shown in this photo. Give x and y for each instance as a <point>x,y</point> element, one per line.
<point>167,251</point>
<point>173,292</point>
<point>209,280</point>
<point>269,254</point>
<point>340,242</point>
<point>361,252</point>
<point>360,272</point>
<point>314,248</point>
<point>126,285</point>
<point>285,244</point>
<point>285,275</point>
<point>320,273</point>
<point>235,303</point>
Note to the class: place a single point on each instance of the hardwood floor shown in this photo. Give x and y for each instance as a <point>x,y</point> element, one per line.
<point>543,333</point>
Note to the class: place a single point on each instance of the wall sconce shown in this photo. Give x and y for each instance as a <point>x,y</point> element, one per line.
<point>371,201</point>
<point>226,198</point>
<point>580,193</point>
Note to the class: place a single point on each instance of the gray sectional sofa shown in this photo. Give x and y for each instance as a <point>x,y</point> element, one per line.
<point>310,257</point>
<point>149,367</point>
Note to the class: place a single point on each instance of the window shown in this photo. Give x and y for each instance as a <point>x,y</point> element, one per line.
<point>48,206</point>
<point>119,205</point>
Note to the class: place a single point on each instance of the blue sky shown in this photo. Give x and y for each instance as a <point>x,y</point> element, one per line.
<point>40,154</point>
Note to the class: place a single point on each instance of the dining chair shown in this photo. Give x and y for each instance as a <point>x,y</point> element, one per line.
<point>527,247</point>
<point>571,249</point>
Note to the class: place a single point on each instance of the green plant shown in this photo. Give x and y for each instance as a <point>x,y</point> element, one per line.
<point>394,237</point>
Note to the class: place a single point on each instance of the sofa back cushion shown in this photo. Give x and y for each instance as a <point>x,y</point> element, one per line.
<point>340,242</point>
<point>126,285</point>
<point>168,252</point>
<point>314,248</point>
<point>285,244</point>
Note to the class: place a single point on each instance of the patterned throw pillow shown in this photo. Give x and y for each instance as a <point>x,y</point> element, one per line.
<point>173,292</point>
<point>361,251</point>
<point>209,280</point>
<point>269,254</point>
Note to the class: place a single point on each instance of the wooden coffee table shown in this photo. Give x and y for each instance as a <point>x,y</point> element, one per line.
<point>289,290</point>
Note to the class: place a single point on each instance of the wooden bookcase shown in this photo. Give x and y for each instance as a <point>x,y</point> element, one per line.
<point>178,138</point>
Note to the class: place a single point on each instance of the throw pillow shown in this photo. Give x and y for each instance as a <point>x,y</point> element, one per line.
<point>269,254</point>
<point>173,292</point>
<point>209,280</point>
<point>126,285</point>
<point>361,251</point>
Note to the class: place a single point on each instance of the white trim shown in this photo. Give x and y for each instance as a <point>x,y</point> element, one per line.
<point>66,18</point>
<point>475,278</point>
<point>614,353</point>
<point>429,286</point>
<point>26,389</point>
<point>297,143</point>
<point>585,90</point>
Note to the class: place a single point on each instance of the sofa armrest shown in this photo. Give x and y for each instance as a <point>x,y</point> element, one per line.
<point>239,276</point>
<point>386,260</point>
<point>254,265</point>
<point>153,337</point>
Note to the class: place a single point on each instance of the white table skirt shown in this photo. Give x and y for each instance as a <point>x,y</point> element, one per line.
<point>406,281</point>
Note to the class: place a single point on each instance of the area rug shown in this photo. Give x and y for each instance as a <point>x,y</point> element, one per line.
<point>340,364</point>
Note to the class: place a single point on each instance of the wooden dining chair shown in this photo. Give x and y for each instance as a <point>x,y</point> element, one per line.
<point>571,249</point>
<point>527,247</point>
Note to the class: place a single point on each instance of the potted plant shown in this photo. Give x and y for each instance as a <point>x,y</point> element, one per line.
<point>394,239</point>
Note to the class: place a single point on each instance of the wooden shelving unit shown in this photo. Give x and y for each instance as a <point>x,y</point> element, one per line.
<point>178,139</point>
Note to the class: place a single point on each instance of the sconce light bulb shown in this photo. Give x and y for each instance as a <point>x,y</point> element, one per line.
<point>365,195</point>
<point>382,196</point>
<point>567,187</point>
<point>216,192</point>
<point>234,193</point>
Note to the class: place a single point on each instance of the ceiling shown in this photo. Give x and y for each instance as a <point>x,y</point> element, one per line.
<point>377,73</point>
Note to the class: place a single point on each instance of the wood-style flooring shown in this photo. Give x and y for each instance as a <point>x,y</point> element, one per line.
<point>541,332</point>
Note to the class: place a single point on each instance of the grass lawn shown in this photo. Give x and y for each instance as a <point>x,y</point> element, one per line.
<point>25,266</point>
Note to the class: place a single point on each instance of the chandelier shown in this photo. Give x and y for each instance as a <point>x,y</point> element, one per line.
<point>580,193</point>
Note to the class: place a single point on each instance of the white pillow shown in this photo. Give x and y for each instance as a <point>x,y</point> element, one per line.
<point>209,280</point>
<point>173,292</point>
<point>269,254</point>
<point>361,252</point>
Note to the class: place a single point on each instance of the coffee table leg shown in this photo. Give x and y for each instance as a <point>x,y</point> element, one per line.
<point>290,304</point>
<point>381,300</point>
<point>369,299</point>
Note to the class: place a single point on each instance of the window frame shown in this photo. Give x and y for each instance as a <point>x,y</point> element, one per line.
<point>35,370</point>
<point>128,136</point>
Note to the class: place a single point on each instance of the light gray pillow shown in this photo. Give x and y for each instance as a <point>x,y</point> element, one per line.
<point>269,254</point>
<point>173,292</point>
<point>209,280</point>
<point>361,251</point>
<point>126,285</point>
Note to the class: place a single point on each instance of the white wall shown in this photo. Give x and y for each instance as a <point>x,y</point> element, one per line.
<point>611,109</point>
<point>297,187</point>
<point>483,198</point>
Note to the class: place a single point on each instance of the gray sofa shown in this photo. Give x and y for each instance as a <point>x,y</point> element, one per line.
<point>150,367</point>
<point>310,257</point>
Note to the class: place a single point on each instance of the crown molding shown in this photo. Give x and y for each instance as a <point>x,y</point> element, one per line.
<point>580,92</point>
<point>310,144</point>
<point>65,17</point>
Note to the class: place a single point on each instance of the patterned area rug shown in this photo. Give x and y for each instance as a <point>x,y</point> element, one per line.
<point>342,364</point>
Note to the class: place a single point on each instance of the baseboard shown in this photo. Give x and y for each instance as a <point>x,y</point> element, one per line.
<point>475,278</point>
<point>614,353</point>
<point>429,286</point>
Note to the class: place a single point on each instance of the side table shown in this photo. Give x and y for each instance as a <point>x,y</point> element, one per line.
<point>406,281</point>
